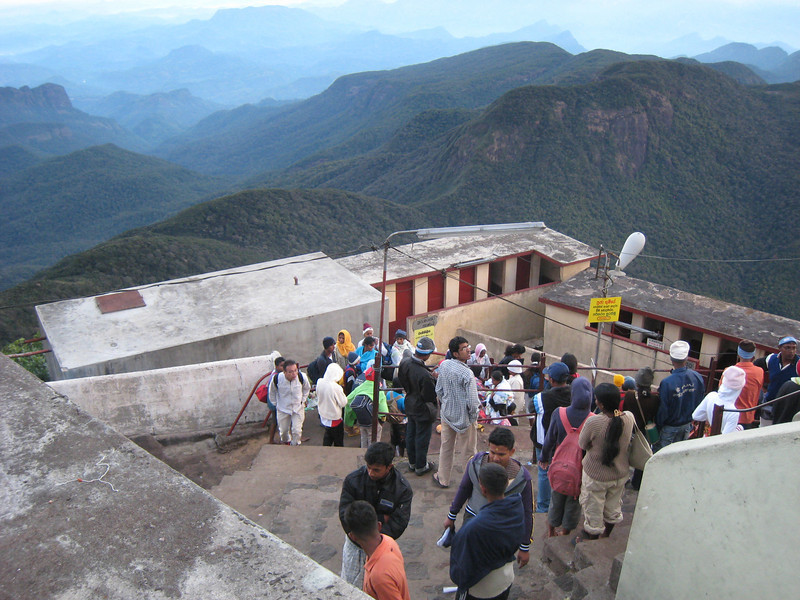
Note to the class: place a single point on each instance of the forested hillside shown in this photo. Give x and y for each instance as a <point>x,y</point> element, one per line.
<point>243,228</point>
<point>70,203</point>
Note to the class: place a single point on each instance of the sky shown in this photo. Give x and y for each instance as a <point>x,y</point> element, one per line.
<point>627,25</point>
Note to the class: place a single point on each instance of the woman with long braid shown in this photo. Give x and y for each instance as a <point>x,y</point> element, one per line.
<point>605,438</point>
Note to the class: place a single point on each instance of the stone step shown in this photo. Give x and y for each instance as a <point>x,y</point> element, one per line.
<point>616,569</point>
<point>591,582</point>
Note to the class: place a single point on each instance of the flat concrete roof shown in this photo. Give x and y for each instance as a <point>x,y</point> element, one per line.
<point>85,513</point>
<point>192,309</point>
<point>445,253</point>
<point>671,304</point>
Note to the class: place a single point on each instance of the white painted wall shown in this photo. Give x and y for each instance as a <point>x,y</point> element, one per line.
<point>172,400</point>
<point>715,518</point>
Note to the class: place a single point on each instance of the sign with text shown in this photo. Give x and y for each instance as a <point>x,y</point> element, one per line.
<point>604,310</point>
<point>424,331</point>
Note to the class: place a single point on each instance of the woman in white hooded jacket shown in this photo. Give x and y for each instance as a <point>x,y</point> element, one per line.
<point>330,402</point>
<point>730,386</point>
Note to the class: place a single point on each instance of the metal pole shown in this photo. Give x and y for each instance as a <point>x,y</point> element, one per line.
<point>379,356</point>
<point>600,325</point>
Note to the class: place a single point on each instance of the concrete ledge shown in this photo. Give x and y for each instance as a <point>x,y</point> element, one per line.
<point>133,528</point>
<point>174,400</point>
<point>718,511</point>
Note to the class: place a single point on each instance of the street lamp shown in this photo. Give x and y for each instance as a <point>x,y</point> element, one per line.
<point>429,234</point>
<point>630,250</point>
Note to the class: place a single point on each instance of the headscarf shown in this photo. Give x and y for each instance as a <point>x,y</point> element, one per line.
<point>348,346</point>
<point>581,399</point>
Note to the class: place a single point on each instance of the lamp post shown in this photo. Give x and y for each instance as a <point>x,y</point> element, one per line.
<point>630,250</point>
<point>429,234</point>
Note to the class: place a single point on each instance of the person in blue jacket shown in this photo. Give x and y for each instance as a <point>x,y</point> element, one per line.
<point>482,554</point>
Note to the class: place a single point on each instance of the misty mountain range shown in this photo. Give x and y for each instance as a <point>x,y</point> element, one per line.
<point>535,130</point>
<point>245,55</point>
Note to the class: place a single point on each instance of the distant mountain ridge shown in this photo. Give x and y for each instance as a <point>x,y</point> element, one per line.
<point>360,111</point>
<point>43,120</point>
<point>67,204</point>
<point>773,64</point>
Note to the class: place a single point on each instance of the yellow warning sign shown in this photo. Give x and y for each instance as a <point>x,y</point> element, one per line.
<point>424,331</point>
<point>604,310</point>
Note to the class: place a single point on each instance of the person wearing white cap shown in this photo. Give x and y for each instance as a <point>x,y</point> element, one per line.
<point>515,382</point>
<point>680,393</point>
<point>731,384</point>
<point>781,368</point>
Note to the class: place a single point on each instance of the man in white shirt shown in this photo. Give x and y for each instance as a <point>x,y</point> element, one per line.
<point>289,390</point>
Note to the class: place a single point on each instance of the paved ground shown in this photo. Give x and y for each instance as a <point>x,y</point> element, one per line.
<point>294,492</point>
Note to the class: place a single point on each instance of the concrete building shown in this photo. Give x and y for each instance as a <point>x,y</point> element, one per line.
<point>712,327</point>
<point>288,304</point>
<point>437,286</point>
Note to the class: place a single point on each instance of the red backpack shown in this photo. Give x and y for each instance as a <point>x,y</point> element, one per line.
<point>566,469</point>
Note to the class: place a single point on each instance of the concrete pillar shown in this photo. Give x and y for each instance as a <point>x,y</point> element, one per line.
<point>482,281</point>
<point>536,265</point>
<point>672,333</point>
<point>708,349</point>
<point>420,295</point>
<point>637,321</point>
<point>510,275</point>
<point>391,296</point>
<point>451,286</point>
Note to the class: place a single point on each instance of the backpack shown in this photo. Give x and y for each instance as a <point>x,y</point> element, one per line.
<point>566,469</point>
<point>362,406</point>
<point>313,371</point>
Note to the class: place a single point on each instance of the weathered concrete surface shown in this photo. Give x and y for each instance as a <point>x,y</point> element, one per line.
<point>717,515</point>
<point>445,253</point>
<point>172,400</point>
<point>134,528</point>
<point>671,304</point>
<point>294,492</point>
<point>215,316</point>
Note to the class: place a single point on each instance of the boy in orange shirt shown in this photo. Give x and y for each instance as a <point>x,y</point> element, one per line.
<point>384,571</point>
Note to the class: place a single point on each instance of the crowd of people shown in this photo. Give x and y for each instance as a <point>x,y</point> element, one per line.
<point>581,436</point>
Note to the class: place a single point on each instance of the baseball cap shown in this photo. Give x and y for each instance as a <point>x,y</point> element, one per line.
<point>558,372</point>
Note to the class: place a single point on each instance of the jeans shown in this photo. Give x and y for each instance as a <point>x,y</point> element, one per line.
<point>418,438</point>
<point>542,487</point>
<point>671,434</point>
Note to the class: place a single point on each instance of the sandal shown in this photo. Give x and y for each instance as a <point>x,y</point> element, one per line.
<point>437,482</point>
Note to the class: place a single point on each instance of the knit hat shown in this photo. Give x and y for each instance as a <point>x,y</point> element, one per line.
<point>425,345</point>
<point>400,333</point>
<point>515,366</point>
<point>629,383</point>
<point>787,340</point>
<point>327,342</point>
<point>644,377</point>
<point>353,358</point>
<point>679,350</point>
<point>367,327</point>
<point>619,380</point>
<point>733,378</point>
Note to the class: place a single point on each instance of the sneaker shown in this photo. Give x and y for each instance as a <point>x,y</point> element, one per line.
<point>429,466</point>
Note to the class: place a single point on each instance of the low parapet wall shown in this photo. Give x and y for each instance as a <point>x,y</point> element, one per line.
<point>133,527</point>
<point>715,519</point>
<point>172,400</point>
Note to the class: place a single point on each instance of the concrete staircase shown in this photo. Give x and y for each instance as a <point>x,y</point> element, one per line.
<point>591,568</point>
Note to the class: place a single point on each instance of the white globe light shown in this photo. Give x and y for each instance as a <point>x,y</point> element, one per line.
<point>633,246</point>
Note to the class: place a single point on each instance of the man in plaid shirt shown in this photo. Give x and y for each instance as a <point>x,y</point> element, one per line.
<point>458,395</point>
